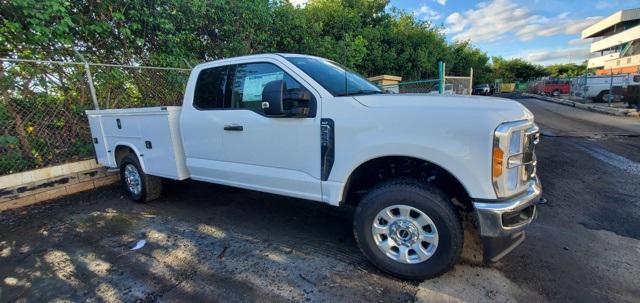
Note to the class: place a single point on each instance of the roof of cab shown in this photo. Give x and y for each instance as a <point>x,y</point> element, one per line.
<point>257,56</point>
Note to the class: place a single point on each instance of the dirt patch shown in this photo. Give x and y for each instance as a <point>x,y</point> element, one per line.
<point>474,284</point>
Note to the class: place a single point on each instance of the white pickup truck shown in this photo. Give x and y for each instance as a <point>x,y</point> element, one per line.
<point>598,87</point>
<point>409,164</point>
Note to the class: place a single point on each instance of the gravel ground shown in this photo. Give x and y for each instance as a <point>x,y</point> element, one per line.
<point>212,243</point>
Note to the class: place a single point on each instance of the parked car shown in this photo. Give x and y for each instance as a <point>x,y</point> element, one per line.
<point>597,87</point>
<point>483,89</point>
<point>301,126</point>
<point>553,87</point>
<point>448,90</point>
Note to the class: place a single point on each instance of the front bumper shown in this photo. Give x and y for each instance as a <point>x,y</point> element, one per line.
<point>502,223</point>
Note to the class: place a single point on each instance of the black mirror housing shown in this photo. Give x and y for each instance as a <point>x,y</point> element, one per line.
<point>272,98</point>
<point>278,101</point>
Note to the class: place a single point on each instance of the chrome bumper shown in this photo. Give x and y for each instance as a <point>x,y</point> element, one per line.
<point>502,223</point>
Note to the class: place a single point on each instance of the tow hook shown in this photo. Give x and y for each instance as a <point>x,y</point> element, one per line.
<point>542,201</point>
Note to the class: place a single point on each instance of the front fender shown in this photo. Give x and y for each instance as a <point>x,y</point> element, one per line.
<point>455,159</point>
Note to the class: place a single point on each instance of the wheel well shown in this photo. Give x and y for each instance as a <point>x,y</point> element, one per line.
<point>121,152</point>
<point>374,171</point>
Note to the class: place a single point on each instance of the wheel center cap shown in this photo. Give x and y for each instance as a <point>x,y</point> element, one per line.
<point>403,232</point>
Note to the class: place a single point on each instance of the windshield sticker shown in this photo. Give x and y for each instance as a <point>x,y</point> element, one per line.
<point>253,85</point>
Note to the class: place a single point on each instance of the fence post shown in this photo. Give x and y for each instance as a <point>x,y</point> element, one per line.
<point>470,81</point>
<point>584,87</point>
<point>440,77</point>
<point>610,86</point>
<point>87,71</point>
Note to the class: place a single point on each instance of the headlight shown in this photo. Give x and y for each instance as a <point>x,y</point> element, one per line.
<point>513,162</point>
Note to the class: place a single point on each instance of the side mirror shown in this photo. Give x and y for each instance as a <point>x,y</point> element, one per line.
<point>272,97</point>
<point>277,101</point>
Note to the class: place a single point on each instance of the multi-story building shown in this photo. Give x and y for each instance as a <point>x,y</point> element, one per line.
<point>615,46</point>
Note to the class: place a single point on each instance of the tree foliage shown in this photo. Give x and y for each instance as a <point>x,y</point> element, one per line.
<point>511,70</point>
<point>567,70</point>
<point>366,35</point>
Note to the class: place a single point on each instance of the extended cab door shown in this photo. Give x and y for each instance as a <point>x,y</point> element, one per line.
<point>280,155</point>
<point>274,154</point>
<point>200,122</point>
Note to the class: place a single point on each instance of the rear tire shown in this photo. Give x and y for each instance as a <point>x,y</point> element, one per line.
<point>139,186</point>
<point>421,200</point>
<point>600,98</point>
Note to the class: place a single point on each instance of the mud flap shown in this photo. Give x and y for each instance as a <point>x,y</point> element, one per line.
<point>494,249</point>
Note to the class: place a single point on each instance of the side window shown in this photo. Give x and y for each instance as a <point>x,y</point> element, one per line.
<point>210,88</point>
<point>249,81</point>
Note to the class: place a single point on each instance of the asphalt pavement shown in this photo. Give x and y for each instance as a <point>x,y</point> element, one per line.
<point>212,243</point>
<point>585,247</point>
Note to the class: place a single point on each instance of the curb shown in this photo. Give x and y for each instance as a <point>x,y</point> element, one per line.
<point>620,112</point>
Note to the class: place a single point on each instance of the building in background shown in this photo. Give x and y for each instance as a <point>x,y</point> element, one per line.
<point>616,43</point>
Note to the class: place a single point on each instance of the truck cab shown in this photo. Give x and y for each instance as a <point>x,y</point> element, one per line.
<point>409,165</point>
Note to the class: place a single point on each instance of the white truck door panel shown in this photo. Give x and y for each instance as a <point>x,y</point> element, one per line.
<point>277,155</point>
<point>200,123</point>
<point>284,152</point>
<point>202,141</point>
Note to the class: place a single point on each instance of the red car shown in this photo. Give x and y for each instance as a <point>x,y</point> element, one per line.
<point>553,87</point>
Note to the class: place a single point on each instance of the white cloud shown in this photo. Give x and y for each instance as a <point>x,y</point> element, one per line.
<point>558,55</point>
<point>441,2</point>
<point>301,3</point>
<point>555,26</point>
<point>579,42</point>
<point>425,12</point>
<point>491,21</point>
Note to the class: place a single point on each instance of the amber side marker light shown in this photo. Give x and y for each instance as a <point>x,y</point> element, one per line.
<point>497,163</point>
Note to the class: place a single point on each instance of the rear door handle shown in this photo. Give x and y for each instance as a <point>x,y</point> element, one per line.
<point>234,127</point>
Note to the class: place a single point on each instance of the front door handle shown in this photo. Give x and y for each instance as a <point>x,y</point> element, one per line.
<point>233,127</point>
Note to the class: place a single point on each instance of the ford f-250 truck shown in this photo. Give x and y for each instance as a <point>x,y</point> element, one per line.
<point>409,164</point>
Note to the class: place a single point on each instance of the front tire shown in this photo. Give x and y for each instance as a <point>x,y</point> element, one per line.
<point>139,186</point>
<point>408,229</point>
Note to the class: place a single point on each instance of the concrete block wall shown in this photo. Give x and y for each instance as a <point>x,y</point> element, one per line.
<point>25,188</point>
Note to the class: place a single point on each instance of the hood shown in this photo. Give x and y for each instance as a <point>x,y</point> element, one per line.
<point>508,109</point>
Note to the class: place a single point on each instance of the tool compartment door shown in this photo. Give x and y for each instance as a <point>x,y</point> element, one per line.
<point>99,140</point>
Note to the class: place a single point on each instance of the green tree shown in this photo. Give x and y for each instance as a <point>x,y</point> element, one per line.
<point>511,70</point>
<point>462,56</point>
<point>567,70</point>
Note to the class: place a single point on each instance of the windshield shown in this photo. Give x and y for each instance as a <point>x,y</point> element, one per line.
<point>482,85</point>
<point>338,80</point>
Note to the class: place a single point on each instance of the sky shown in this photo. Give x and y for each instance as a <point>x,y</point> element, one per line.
<point>540,31</point>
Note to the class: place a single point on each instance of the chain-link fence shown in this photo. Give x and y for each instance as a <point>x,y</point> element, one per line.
<point>452,85</point>
<point>127,87</point>
<point>42,104</point>
<point>414,87</point>
<point>458,85</point>
<point>616,90</point>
